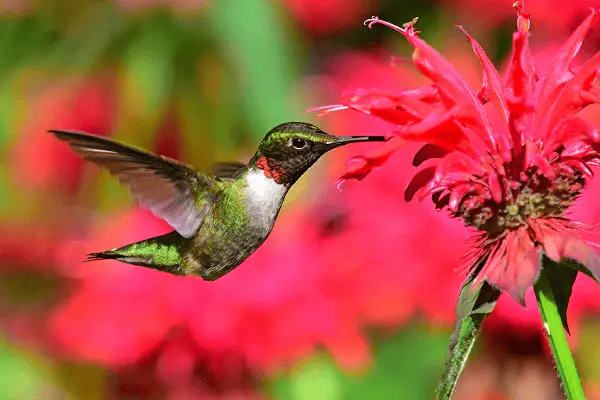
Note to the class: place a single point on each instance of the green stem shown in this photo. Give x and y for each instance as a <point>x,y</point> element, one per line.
<point>557,339</point>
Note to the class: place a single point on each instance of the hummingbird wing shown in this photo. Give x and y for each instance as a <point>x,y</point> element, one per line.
<point>171,190</point>
<point>227,170</point>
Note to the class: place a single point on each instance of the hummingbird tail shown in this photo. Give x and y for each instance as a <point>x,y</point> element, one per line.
<point>101,256</point>
<point>161,253</point>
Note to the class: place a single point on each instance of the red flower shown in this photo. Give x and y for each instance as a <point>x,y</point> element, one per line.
<point>13,8</point>
<point>41,162</point>
<point>329,16</point>
<point>507,160</point>
<point>554,13</point>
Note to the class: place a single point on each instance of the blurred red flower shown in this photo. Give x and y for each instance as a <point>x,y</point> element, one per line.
<point>15,7</point>
<point>39,161</point>
<point>391,238</point>
<point>553,13</point>
<point>325,17</point>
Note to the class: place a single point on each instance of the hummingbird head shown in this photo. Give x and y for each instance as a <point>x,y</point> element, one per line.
<point>290,149</point>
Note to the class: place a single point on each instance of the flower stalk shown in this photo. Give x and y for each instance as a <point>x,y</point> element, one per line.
<point>474,305</point>
<point>556,337</point>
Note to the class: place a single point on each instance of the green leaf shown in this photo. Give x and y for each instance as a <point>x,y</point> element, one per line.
<point>83,381</point>
<point>10,97</point>
<point>83,45</point>
<point>147,86</point>
<point>26,375</point>
<point>255,42</point>
<point>561,278</point>
<point>474,304</point>
<point>22,42</point>
<point>23,375</point>
<point>207,105</point>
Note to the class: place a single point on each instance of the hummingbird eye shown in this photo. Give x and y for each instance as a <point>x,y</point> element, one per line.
<point>298,143</point>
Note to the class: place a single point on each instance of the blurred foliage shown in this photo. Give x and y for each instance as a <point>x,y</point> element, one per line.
<point>22,375</point>
<point>404,366</point>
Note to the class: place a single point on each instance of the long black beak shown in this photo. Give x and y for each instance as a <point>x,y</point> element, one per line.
<point>342,140</point>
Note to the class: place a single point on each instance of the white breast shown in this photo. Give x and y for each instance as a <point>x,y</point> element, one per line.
<point>263,198</point>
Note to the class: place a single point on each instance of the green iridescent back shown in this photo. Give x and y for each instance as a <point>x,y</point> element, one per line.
<point>227,235</point>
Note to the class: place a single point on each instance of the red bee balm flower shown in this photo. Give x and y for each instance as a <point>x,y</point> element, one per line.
<point>508,159</point>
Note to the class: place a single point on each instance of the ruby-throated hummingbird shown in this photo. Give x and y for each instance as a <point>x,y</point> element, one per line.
<point>219,219</point>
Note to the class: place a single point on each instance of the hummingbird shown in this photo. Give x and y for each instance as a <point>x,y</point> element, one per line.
<point>219,219</point>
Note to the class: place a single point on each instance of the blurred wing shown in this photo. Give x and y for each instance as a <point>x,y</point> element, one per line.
<point>169,189</point>
<point>227,170</point>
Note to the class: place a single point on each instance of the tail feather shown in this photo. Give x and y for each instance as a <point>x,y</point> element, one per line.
<point>107,255</point>
<point>161,253</point>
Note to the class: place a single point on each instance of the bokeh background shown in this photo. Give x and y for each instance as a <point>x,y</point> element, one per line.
<point>351,297</point>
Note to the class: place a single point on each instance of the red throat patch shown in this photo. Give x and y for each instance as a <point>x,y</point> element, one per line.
<point>271,168</point>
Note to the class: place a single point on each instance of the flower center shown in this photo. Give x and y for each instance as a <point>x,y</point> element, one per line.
<point>534,196</point>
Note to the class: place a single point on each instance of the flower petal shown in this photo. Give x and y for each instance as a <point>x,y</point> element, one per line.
<point>383,105</point>
<point>495,187</point>
<point>519,84</point>
<point>449,81</point>
<point>428,152</point>
<point>578,250</point>
<point>360,166</point>
<point>438,128</point>
<point>458,193</point>
<point>571,100</point>
<point>418,181</point>
<point>559,71</point>
<point>544,167</point>
<point>517,268</point>
<point>571,129</point>
<point>457,164</point>
<point>492,86</point>
<point>559,246</point>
